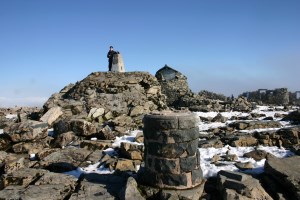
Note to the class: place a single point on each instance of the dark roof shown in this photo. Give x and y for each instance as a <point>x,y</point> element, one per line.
<point>166,67</point>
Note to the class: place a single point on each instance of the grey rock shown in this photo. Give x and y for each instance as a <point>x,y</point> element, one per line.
<point>14,162</point>
<point>83,128</point>
<point>46,192</point>
<point>64,160</point>
<point>32,147</point>
<point>64,139</point>
<point>52,115</point>
<point>130,191</point>
<point>237,186</point>
<point>51,178</point>
<point>22,177</point>
<point>256,154</point>
<point>12,192</point>
<point>96,145</point>
<point>131,151</point>
<point>27,131</point>
<point>96,186</point>
<point>286,172</point>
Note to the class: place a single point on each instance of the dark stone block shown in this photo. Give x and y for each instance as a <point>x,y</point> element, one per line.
<point>160,122</point>
<point>149,162</point>
<point>147,177</point>
<point>192,147</point>
<point>177,136</point>
<point>188,164</point>
<point>166,165</point>
<point>174,150</point>
<point>185,135</point>
<point>174,179</point>
<point>197,176</point>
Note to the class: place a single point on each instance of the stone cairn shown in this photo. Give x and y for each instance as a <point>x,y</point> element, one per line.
<point>171,150</point>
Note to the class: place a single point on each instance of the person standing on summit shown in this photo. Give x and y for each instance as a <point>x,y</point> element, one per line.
<point>110,55</point>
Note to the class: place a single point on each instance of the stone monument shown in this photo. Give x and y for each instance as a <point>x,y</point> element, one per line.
<point>171,151</point>
<point>117,63</point>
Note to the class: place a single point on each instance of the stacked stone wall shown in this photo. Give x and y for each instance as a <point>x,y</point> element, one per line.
<point>171,150</point>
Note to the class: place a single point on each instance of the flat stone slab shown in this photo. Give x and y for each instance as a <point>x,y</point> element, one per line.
<point>22,177</point>
<point>65,160</point>
<point>286,172</point>
<point>46,192</point>
<point>99,186</point>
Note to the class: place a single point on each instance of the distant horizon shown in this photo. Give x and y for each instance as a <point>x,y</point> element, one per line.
<point>39,101</point>
<point>226,47</point>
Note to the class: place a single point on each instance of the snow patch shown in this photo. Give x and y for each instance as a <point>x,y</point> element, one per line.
<point>11,116</point>
<point>127,138</point>
<point>1,131</point>
<point>210,170</point>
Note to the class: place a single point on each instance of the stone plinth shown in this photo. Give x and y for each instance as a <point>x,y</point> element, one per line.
<point>171,150</point>
<point>117,63</point>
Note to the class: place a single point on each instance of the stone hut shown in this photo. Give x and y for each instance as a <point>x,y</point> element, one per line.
<point>278,96</point>
<point>173,84</point>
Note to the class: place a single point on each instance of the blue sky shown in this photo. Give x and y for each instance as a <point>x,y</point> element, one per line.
<point>224,46</point>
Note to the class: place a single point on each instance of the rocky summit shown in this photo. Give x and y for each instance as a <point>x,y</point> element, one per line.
<point>133,136</point>
<point>116,99</point>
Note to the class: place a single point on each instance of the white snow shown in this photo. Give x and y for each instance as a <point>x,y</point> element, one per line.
<point>127,138</point>
<point>210,169</point>
<point>224,114</point>
<point>206,154</point>
<point>269,113</point>
<point>11,116</point>
<point>1,131</point>
<point>207,126</point>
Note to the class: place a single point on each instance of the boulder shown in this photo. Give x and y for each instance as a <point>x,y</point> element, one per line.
<point>22,177</point>
<point>131,151</point>
<point>125,165</point>
<point>83,128</point>
<point>286,173</point>
<point>106,134</point>
<point>32,147</point>
<point>13,162</point>
<point>27,131</point>
<point>219,118</point>
<point>52,115</point>
<point>64,160</point>
<point>131,191</point>
<point>64,139</point>
<point>256,154</point>
<point>96,145</point>
<point>293,116</point>
<point>244,141</point>
<point>99,186</point>
<point>5,142</point>
<point>51,192</point>
<point>51,178</point>
<point>95,113</point>
<point>12,192</point>
<point>236,185</point>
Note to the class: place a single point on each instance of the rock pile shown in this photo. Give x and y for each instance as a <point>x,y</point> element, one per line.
<point>179,96</point>
<point>118,100</point>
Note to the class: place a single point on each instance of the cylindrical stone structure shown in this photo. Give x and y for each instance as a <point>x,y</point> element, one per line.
<point>171,150</point>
